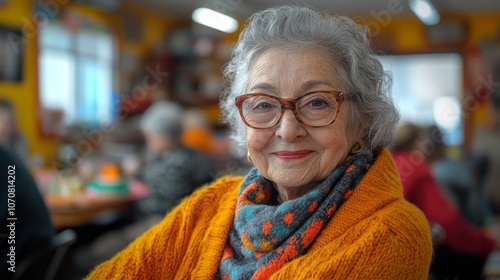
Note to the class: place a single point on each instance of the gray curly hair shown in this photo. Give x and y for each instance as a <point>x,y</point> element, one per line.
<point>163,118</point>
<point>346,42</point>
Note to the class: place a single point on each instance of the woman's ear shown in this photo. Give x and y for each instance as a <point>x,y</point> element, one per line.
<point>360,132</point>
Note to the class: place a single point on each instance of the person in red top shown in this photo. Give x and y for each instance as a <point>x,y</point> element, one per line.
<point>465,247</point>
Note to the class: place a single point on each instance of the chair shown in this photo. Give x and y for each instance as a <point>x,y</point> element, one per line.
<point>45,262</point>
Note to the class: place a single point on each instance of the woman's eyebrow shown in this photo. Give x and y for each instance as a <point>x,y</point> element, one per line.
<point>264,86</point>
<point>314,83</point>
<point>304,87</point>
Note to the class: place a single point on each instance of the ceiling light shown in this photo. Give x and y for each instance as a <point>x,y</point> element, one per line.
<point>425,11</point>
<point>215,20</point>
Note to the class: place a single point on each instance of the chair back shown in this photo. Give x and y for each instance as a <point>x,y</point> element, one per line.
<point>45,262</point>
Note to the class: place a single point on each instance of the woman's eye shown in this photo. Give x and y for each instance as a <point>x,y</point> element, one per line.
<point>316,103</point>
<point>263,105</point>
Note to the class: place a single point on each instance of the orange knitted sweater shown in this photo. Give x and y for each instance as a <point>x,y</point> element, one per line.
<point>376,234</point>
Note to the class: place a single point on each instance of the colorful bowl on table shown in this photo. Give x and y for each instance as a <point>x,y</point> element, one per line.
<point>109,181</point>
<point>118,188</point>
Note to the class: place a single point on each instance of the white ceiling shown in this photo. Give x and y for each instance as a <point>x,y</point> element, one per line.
<point>244,8</point>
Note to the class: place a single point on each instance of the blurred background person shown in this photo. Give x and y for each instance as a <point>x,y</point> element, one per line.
<point>465,248</point>
<point>11,138</point>
<point>33,227</point>
<point>463,181</point>
<point>486,139</point>
<point>171,170</point>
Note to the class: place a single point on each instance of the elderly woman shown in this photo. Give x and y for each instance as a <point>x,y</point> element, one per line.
<point>309,102</point>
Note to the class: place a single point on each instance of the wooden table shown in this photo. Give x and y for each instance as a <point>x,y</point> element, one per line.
<point>81,209</point>
<point>77,210</point>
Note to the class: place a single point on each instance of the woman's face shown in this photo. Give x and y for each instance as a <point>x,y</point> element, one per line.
<point>157,143</point>
<point>292,155</point>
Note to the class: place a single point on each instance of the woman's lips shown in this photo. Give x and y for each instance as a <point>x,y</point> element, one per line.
<point>286,155</point>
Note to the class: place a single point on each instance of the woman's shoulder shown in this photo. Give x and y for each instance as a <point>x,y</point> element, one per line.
<point>400,222</point>
<point>393,242</point>
<point>405,219</point>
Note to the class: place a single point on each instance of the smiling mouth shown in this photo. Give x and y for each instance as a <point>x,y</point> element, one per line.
<point>290,155</point>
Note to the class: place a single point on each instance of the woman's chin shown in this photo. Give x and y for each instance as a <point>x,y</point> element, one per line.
<point>293,179</point>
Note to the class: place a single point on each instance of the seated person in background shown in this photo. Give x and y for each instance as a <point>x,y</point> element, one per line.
<point>33,227</point>
<point>10,137</point>
<point>481,205</point>
<point>486,139</point>
<point>458,180</point>
<point>172,170</point>
<point>465,248</point>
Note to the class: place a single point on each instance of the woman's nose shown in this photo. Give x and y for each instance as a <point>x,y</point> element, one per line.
<point>290,127</point>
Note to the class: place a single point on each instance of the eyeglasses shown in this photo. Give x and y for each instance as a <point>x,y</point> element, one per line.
<point>314,109</point>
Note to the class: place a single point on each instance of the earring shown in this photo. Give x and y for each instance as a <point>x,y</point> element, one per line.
<point>249,158</point>
<point>358,147</point>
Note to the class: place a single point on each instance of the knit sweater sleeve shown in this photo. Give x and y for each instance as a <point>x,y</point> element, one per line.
<point>387,254</point>
<point>142,259</point>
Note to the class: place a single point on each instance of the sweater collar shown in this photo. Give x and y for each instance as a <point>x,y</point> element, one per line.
<point>380,186</point>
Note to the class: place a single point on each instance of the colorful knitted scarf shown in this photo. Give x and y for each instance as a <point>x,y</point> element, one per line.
<point>265,235</point>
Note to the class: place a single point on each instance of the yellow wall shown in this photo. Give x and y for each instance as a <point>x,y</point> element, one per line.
<point>483,26</point>
<point>407,34</point>
<point>155,25</point>
<point>24,94</point>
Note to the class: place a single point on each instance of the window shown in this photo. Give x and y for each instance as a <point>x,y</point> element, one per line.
<point>76,73</point>
<point>427,89</point>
